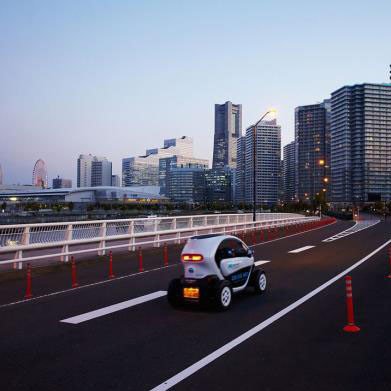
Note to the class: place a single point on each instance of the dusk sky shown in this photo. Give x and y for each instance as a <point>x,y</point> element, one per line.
<point>113,78</point>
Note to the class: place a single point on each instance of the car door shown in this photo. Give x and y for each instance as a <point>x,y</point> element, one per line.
<point>236,261</point>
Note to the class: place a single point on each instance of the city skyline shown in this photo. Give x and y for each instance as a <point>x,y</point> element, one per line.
<point>58,81</point>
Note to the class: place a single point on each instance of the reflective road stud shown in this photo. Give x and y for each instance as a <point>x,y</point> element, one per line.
<point>350,327</point>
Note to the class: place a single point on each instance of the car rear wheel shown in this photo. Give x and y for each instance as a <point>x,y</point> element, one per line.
<point>174,293</point>
<point>224,296</point>
<point>259,281</point>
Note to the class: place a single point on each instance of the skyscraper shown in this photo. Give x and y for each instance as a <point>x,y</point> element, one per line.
<point>1,175</point>
<point>101,171</point>
<point>312,136</point>
<point>144,170</point>
<point>361,143</point>
<point>267,164</point>
<point>40,174</point>
<point>289,172</point>
<point>84,163</point>
<point>93,171</point>
<point>228,128</point>
<point>176,161</point>
<point>240,171</point>
<point>187,185</point>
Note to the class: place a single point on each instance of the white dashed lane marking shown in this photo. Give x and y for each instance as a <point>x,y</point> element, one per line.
<point>113,308</point>
<point>258,263</point>
<point>299,250</point>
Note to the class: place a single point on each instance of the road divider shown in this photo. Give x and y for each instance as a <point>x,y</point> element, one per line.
<point>140,260</point>
<point>29,293</point>
<point>113,308</point>
<point>351,326</point>
<point>165,254</point>
<point>75,284</point>
<point>389,261</point>
<point>111,273</point>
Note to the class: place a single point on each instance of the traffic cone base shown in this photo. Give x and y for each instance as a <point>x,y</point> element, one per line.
<point>351,328</point>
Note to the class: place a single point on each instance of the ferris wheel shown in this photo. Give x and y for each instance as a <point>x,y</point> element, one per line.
<point>40,174</point>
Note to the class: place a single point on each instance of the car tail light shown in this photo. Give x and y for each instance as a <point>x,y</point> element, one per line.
<point>192,258</point>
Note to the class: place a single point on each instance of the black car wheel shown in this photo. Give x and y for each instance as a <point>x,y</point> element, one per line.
<point>259,281</point>
<point>224,296</point>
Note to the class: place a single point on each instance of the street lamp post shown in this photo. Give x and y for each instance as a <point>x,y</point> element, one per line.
<point>254,162</point>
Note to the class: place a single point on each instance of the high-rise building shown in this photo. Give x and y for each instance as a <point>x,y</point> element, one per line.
<point>144,170</point>
<point>187,185</point>
<point>1,175</point>
<point>228,128</point>
<point>101,172</point>
<point>168,163</point>
<point>312,136</point>
<point>267,164</point>
<point>84,163</point>
<point>93,171</point>
<point>115,181</point>
<point>218,184</point>
<point>361,143</point>
<point>40,174</point>
<point>183,145</point>
<point>289,172</point>
<point>140,171</point>
<point>61,183</point>
<point>240,171</point>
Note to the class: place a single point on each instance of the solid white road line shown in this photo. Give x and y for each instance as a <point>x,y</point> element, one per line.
<point>113,308</point>
<point>248,334</point>
<point>299,250</point>
<point>258,263</point>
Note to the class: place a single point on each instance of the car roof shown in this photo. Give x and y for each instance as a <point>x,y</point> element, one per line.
<point>206,244</point>
<point>207,236</point>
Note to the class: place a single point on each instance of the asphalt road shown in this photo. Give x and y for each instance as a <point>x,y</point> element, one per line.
<point>141,347</point>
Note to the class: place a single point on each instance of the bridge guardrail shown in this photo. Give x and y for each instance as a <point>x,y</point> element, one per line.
<point>17,239</point>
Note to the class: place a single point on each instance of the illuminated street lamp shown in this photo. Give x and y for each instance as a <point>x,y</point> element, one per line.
<point>270,111</point>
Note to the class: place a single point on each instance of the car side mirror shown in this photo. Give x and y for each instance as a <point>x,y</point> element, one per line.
<point>250,253</point>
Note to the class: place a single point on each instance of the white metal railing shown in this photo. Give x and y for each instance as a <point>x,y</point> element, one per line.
<point>17,239</point>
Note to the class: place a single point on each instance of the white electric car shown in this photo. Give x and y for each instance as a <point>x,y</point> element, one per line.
<point>215,267</point>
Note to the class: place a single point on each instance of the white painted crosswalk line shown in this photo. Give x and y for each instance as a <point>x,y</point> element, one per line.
<point>299,250</point>
<point>113,308</point>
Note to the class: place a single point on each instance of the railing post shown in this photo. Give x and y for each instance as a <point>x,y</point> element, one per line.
<point>132,246</point>
<point>24,242</point>
<point>157,237</point>
<point>18,256</point>
<point>174,223</point>
<point>102,243</point>
<point>65,248</point>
